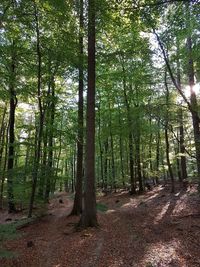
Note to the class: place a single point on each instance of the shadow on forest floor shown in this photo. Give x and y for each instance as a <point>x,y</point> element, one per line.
<point>154,229</point>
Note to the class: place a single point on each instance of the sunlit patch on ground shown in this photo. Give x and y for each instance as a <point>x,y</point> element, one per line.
<point>118,263</point>
<point>154,229</point>
<point>180,206</point>
<point>163,255</point>
<point>132,203</point>
<point>110,211</point>
<point>152,197</point>
<point>162,213</point>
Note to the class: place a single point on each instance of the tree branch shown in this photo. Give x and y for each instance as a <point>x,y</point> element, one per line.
<point>178,87</point>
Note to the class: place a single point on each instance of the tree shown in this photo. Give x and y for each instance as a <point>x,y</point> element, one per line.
<point>77,208</point>
<point>89,216</point>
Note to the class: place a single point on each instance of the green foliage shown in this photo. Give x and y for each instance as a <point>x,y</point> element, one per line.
<point>6,254</point>
<point>9,231</point>
<point>127,59</point>
<point>101,207</point>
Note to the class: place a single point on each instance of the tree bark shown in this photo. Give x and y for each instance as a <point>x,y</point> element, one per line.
<point>39,130</point>
<point>158,153</point>
<point>183,166</point>
<point>77,207</point>
<point>182,147</point>
<point>50,171</point>
<point>11,133</point>
<point>113,180</point>
<point>166,137</point>
<point>4,168</point>
<point>100,144</point>
<point>121,148</point>
<point>105,186</point>
<point>89,215</point>
<point>131,160</point>
<point>193,101</point>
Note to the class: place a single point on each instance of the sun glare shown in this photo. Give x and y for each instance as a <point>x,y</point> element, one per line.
<point>196,89</point>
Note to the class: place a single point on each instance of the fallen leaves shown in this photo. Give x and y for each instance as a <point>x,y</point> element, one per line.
<point>127,237</point>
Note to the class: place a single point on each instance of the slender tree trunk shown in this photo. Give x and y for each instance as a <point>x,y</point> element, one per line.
<point>106,165</point>
<point>194,104</point>
<point>89,216</point>
<point>50,137</point>
<point>4,168</point>
<point>177,151</point>
<point>2,133</point>
<point>131,165</point>
<point>166,137</point>
<point>112,150</point>
<point>131,160</point>
<point>121,148</point>
<point>59,155</point>
<point>39,130</point>
<point>72,174</point>
<point>182,148</point>
<point>11,133</point>
<point>150,148</point>
<point>100,144</point>
<point>43,167</point>
<point>158,153</point>
<point>183,166</point>
<point>139,170</point>
<point>168,159</point>
<point>137,137</point>
<point>77,207</point>
<point>2,128</point>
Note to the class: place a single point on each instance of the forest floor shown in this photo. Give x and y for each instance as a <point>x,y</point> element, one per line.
<point>156,229</point>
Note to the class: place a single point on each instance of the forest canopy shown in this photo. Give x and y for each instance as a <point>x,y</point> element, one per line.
<point>97,94</point>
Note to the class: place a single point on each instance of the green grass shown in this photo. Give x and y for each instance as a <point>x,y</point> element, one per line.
<point>6,254</point>
<point>102,207</point>
<point>9,232</point>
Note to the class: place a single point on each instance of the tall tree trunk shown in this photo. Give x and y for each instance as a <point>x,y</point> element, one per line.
<point>112,151</point>
<point>50,171</point>
<point>2,133</point>
<point>105,186</point>
<point>39,130</point>
<point>193,101</point>
<point>121,148</point>
<point>43,167</point>
<point>166,137</point>
<point>183,166</point>
<point>77,207</point>
<point>177,151</point>
<point>131,164</point>
<point>137,146</point>
<point>158,153</point>
<point>139,170</point>
<point>11,133</point>
<point>182,147</point>
<point>131,160</point>
<point>150,150</point>
<point>4,168</point>
<point>168,159</point>
<point>89,215</point>
<point>100,144</point>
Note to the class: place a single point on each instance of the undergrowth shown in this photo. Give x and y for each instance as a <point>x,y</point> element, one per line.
<point>9,232</point>
<point>102,207</point>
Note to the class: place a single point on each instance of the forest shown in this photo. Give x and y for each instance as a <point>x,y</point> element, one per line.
<point>99,133</point>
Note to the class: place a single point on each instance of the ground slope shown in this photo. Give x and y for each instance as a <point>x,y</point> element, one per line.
<point>152,230</point>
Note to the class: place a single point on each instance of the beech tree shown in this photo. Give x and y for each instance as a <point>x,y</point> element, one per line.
<point>144,132</point>
<point>89,216</point>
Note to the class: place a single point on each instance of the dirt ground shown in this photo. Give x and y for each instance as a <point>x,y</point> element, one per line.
<point>156,229</point>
